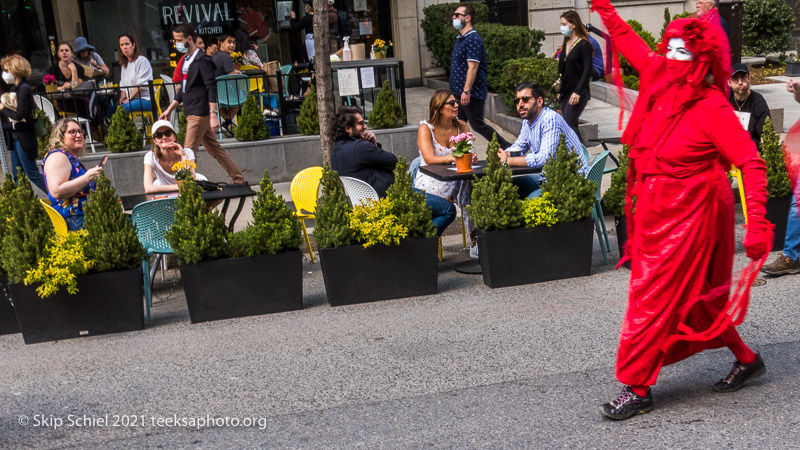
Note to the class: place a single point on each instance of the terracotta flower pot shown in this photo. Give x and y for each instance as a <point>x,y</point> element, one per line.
<point>464,163</point>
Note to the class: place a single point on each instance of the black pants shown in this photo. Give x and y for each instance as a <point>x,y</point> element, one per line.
<point>473,115</point>
<point>571,113</point>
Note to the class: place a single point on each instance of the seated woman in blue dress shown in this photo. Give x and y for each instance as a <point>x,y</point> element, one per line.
<point>68,182</point>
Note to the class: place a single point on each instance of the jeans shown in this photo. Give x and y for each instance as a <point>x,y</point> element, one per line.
<point>444,212</point>
<point>138,105</point>
<point>74,223</point>
<point>20,159</point>
<point>473,114</point>
<point>791,244</point>
<point>528,185</point>
<point>572,113</point>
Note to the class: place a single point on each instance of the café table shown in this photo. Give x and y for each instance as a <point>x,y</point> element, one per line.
<point>226,193</point>
<point>447,172</point>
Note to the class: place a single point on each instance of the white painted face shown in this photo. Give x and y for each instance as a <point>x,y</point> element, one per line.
<point>676,49</point>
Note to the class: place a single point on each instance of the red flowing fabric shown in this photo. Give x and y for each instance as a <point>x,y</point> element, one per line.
<point>684,136</point>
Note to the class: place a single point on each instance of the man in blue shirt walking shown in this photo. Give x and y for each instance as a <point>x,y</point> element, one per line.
<point>468,73</point>
<point>538,139</point>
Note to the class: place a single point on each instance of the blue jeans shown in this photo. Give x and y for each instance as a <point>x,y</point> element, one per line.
<point>137,105</point>
<point>444,212</point>
<point>528,185</point>
<point>74,223</point>
<point>20,159</point>
<point>791,244</point>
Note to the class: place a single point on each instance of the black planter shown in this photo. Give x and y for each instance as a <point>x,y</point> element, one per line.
<point>533,255</point>
<point>8,319</point>
<point>778,213</point>
<point>107,302</point>
<point>239,287</point>
<point>621,226</point>
<point>792,69</point>
<point>356,274</point>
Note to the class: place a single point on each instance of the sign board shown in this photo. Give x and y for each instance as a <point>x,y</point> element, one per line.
<point>209,17</point>
<point>348,82</point>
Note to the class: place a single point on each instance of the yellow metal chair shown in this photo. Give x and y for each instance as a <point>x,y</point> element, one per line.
<point>256,83</point>
<point>304,190</point>
<point>738,175</point>
<point>58,221</point>
<point>147,116</point>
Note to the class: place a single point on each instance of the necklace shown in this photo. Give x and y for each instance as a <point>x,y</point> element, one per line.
<point>740,105</point>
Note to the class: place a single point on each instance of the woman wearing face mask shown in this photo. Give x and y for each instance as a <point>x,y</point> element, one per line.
<point>307,25</point>
<point>681,233</point>
<point>135,74</point>
<point>574,68</point>
<point>17,110</point>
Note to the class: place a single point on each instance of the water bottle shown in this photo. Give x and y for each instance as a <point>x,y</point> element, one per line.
<point>346,52</point>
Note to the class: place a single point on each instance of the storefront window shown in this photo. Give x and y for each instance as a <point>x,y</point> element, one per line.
<point>24,33</point>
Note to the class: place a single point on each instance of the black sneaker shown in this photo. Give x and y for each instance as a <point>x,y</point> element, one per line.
<point>740,374</point>
<point>627,404</point>
<point>783,265</point>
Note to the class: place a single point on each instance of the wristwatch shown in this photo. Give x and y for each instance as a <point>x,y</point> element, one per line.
<point>466,91</point>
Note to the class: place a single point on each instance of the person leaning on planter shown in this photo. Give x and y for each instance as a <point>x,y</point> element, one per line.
<point>198,94</point>
<point>68,182</point>
<point>538,138</point>
<point>19,120</point>
<point>357,154</point>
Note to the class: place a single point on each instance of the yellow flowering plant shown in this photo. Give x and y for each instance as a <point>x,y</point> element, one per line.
<point>184,170</point>
<point>374,223</point>
<point>237,57</point>
<point>540,211</point>
<point>63,262</point>
<point>381,46</point>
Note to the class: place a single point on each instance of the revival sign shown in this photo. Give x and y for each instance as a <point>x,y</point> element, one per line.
<point>208,17</point>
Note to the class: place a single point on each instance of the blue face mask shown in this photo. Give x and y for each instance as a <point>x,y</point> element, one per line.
<point>181,47</point>
<point>565,30</point>
<point>457,24</point>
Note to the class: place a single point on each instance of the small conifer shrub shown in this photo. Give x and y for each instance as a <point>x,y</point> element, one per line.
<point>6,190</point>
<point>614,197</point>
<point>251,125</point>
<point>387,112</point>
<point>332,225</point>
<point>123,137</point>
<point>64,261</point>
<point>197,234</point>
<point>375,224</point>
<point>572,193</point>
<point>308,121</point>
<point>778,183</point>
<point>495,201</point>
<point>409,206</point>
<point>111,243</point>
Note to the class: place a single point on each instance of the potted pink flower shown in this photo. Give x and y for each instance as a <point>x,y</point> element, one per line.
<point>462,151</point>
<point>49,83</point>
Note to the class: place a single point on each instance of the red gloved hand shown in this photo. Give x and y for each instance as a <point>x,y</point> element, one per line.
<point>758,240</point>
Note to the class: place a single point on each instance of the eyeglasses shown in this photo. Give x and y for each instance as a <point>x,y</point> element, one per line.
<point>160,134</point>
<point>75,132</point>
<point>452,103</point>
<point>459,14</point>
<point>524,99</point>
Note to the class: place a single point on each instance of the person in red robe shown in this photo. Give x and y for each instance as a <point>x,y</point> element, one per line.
<point>684,137</point>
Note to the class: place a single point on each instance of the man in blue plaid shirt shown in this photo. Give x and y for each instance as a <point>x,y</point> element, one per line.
<point>538,139</point>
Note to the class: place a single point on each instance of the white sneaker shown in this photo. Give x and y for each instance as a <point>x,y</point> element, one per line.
<point>473,250</point>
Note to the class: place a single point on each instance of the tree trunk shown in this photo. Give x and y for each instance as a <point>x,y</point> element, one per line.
<point>322,68</point>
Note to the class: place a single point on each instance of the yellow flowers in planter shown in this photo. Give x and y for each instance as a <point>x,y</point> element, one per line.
<point>237,57</point>
<point>63,262</point>
<point>376,224</point>
<point>540,211</point>
<point>184,169</point>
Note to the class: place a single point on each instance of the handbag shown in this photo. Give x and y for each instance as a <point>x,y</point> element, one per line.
<point>557,85</point>
<point>39,127</point>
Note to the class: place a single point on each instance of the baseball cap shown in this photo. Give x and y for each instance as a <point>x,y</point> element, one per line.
<point>739,67</point>
<point>160,124</point>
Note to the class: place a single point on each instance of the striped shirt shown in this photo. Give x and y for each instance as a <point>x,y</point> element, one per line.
<point>538,140</point>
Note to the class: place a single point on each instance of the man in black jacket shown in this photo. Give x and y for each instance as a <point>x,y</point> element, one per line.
<point>198,94</point>
<point>749,106</point>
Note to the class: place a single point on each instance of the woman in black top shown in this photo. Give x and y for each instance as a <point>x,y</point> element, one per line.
<point>306,24</point>
<point>575,68</point>
<point>68,76</point>
<point>17,111</point>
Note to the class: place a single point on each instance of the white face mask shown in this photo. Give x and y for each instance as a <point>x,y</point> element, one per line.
<point>181,47</point>
<point>676,49</point>
<point>565,30</point>
<point>8,78</point>
<point>457,24</point>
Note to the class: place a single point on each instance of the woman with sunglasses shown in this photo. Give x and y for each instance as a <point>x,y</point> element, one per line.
<point>158,162</point>
<point>433,140</point>
<point>68,182</point>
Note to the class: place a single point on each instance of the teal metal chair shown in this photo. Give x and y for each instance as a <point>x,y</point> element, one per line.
<point>231,93</point>
<point>152,220</point>
<point>596,174</point>
<point>285,71</point>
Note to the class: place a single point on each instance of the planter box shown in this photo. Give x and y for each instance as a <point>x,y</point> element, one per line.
<point>240,287</point>
<point>792,69</point>
<point>8,319</point>
<point>356,274</point>
<point>778,213</point>
<point>533,255</point>
<point>621,227</point>
<point>108,302</point>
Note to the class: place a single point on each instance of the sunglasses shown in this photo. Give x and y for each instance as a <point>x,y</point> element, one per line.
<point>459,14</point>
<point>160,134</point>
<point>524,99</point>
<point>75,132</point>
<point>452,103</point>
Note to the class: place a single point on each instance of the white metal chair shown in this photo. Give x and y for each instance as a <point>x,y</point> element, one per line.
<point>172,90</point>
<point>47,106</point>
<point>360,192</point>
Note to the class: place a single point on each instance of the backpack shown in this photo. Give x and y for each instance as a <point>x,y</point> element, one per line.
<point>344,24</point>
